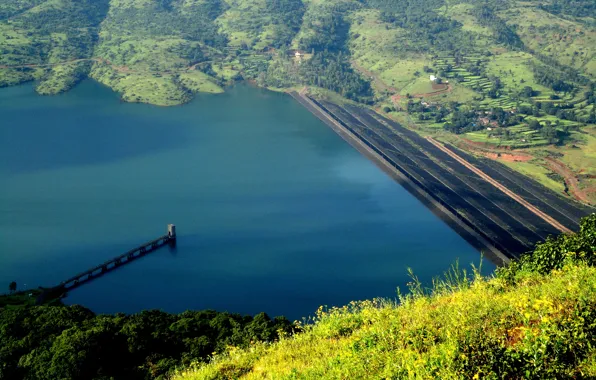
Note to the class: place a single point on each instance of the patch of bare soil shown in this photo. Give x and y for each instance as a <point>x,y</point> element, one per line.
<point>483,149</point>
<point>447,89</point>
<point>508,157</point>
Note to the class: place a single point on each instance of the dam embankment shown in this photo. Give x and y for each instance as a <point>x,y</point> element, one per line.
<point>480,208</point>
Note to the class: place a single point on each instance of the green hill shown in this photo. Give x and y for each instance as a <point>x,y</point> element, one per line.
<point>140,47</point>
<point>536,319</point>
<point>60,342</point>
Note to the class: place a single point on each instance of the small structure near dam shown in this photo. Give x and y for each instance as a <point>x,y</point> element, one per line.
<point>90,274</point>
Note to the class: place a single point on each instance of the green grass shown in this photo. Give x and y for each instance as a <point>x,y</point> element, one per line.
<point>535,169</point>
<point>557,37</point>
<point>197,81</point>
<point>421,85</point>
<point>373,47</point>
<point>519,137</point>
<point>535,319</point>
<point>580,156</point>
<point>512,69</point>
<point>228,71</point>
<point>463,13</point>
<point>62,78</point>
<point>160,90</point>
<point>19,299</point>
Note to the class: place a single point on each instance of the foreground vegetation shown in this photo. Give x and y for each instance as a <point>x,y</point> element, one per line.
<point>59,342</point>
<point>534,319</point>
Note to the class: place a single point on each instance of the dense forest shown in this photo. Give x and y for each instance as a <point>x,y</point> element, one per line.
<point>59,342</point>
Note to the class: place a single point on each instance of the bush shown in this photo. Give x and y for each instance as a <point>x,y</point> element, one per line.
<point>555,253</point>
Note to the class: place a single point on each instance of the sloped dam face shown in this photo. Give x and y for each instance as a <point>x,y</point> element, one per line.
<point>274,211</point>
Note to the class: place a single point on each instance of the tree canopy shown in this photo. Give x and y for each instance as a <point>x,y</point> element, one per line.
<point>59,342</point>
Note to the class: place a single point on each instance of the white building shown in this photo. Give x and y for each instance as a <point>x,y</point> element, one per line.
<point>433,78</point>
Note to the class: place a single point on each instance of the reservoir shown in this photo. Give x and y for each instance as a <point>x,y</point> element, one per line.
<point>274,211</point>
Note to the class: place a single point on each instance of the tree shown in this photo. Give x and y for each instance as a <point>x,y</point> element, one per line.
<point>528,92</point>
<point>71,342</point>
<point>12,287</point>
<point>534,125</point>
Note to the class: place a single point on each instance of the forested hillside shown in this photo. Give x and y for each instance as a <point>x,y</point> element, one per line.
<point>505,74</point>
<point>60,342</point>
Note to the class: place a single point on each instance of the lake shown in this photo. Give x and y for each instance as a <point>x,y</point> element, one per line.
<point>274,211</point>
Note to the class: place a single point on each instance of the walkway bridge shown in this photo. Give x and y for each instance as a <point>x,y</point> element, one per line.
<point>134,254</point>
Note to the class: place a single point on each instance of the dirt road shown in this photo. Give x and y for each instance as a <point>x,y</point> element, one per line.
<point>570,179</point>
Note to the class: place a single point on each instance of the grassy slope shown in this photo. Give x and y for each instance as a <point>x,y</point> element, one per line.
<point>145,56</point>
<point>375,46</point>
<point>246,21</point>
<point>563,38</point>
<point>570,42</point>
<point>537,171</point>
<point>535,320</point>
<point>48,32</point>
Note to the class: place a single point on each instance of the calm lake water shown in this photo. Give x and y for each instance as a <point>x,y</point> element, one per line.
<point>274,211</point>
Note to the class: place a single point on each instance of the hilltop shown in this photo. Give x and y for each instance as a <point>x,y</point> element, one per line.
<point>507,75</point>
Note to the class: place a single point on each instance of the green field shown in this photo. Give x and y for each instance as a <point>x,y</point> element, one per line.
<point>539,172</point>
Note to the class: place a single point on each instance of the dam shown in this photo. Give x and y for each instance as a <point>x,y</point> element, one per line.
<point>504,215</point>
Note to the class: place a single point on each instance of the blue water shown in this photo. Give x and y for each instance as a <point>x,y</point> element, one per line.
<point>274,211</point>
